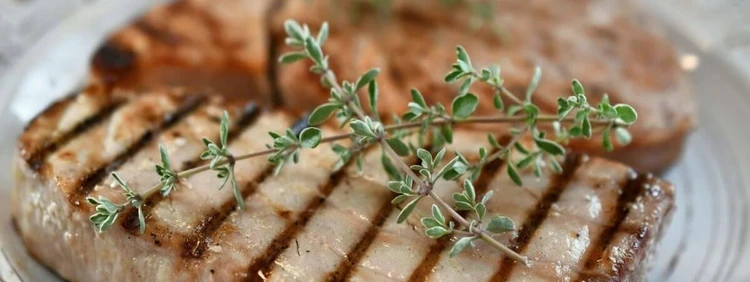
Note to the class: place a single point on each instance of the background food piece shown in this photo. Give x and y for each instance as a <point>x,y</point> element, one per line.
<point>219,45</point>
<point>604,44</point>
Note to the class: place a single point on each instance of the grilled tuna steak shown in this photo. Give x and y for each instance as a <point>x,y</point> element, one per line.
<point>222,45</point>
<point>597,221</point>
<point>601,43</point>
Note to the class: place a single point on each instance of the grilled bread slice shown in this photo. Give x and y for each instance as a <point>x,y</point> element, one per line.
<point>596,221</point>
<point>607,45</point>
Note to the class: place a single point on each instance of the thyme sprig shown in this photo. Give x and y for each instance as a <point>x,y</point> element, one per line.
<point>413,183</point>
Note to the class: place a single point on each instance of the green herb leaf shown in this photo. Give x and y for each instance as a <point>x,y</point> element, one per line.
<point>535,78</point>
<point>623,136</point>
<point>462,55</point>
<point>398,146</point>
<point>501,224</point>
<point>586,127</point>
<point>408,209</point>
<point>322,113</point>
<point>550,147</point>
<point>292,57</point>
<point>463,106</point>
<point>626,113</point>
<point>310,137</point>
<point>498,102</point>
<point>323,34</point>
<point>513,173</point>
<point>416,96</point>
<point>372,92</point>
<point>578,87</point>
<point>607,141</point>
<point>460,245</point>
<point>436,232</point>
<point>437,214</point>
<point>367,78</point>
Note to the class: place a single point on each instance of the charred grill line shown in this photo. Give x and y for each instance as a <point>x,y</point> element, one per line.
<point>282,241</point>
<point>130,216</point>
<point>36,159</point>
<point>538,215</point>
<point>421,273</point>
<point>196,244</point>
<point>353,256</point>
<point>630,193</point>
<point>276,99</point>
<point>90,180</point>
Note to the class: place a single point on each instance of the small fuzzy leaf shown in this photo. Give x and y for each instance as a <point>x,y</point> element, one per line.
<point>464,89</point>
<point>372,92</point>
<point>398,146</point>
<point>436,232</point>
<point>313,50</point>
<point>470,191</point>
<point>408,209</point>
<point>534,83</point>
<point>437,214</point>
<point>463,106</point>
<point>513,173</point>
<point>224,129</point>
<point>623,136</point>
<point>462,55</point>
<point>292,57</point>
<point>586,127</point>
<point>497,101</point>
<point>460,245</point>
<point>323,33</point>
<point>626,113</point>
<point>367,78</point>
<point>429,222</point>
<point>399,199</point>
<point>360,128</point>
<point>425,156</point>
<point>481,210</point>
<point>577,87</point>
<point>550,147</point>
<point>416,97</point>
<point>310,137</point>
<point>322,113</point>
<point>487,196</point>
<point>501,224</point>
<point>607,141</point>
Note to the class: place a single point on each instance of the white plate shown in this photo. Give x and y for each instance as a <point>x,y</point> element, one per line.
<point>708,237</point>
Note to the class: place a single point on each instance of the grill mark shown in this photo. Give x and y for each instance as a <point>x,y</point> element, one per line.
<point>130,216</point>
<point>196,244</point>
<point>537,216</point>
<point>421,273</point>
<point>630,193</point>
<point>37,159</point>
<point>354,255</point>
<point>96,176</point>
<point>283,240</point>
<point>276,98</point>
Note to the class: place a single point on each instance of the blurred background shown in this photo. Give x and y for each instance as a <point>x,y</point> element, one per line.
<point>720,26</point>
